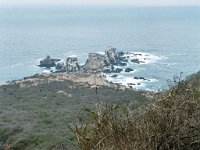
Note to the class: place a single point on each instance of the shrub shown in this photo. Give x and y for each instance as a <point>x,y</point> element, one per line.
<point>171,121</point>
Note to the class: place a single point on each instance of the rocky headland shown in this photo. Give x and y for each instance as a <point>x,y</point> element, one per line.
<point>107,65</point>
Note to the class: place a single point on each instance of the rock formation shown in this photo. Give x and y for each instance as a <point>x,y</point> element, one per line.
<point>111,56</point>
<point>72,64</point>
<point>95,62</point>
<point>60,66</point>
<point>47,62</point>
<point>105,63</point>
<point>128,69</point>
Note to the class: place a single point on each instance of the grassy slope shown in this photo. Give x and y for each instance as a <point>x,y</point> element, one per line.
<point>37,117</point>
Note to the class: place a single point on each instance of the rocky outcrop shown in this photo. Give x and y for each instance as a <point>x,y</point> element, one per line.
<point>72,64</point>
<point>140,78</point>
<point>111,56</point>
<point>128,69</point>
<point>109,64</point>
<point>114,76</point>
<point>137,61</point>
<point>115,58</point>
<point>112,70</point>
<point>60,66</point>
<point>95,62</point>
<point>48,62</point>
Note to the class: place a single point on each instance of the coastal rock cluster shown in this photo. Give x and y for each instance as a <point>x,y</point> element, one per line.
<point>48,62</point>
<point>94,63</point>
<point>111,62</point>
<point>71,64</point>
<point>106,63</point>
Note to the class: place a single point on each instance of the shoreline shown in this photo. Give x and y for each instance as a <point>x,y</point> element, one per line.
<point>91,80</point>
<point>117,67</point>
<point>112,68</point>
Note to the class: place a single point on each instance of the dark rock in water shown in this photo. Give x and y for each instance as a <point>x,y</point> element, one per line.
<point>121,54</point>
<point>128,69</point>
<point>122,64</point>
<point>107,71</point>
<point>114,76</point>
<point>112,56</point>
<point>60,66</point>
<point>137,61</point>
<point>116,58</point>
<point>122,59</point>
<point>131,84</point>
<point>95,61</point>
<point>138,54</point>
<point>140,78</point>
<point>118,70</point>
<point>138,83</point>
<point>55,60</point>
<point>47,62</point>
<point>72,64</point>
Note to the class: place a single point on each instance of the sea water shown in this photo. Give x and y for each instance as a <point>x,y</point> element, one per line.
<point>170,35</point>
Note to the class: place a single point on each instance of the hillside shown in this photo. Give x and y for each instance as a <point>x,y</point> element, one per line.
<point>170,121</point>
<point>35,112</point>
<point>82,111</point>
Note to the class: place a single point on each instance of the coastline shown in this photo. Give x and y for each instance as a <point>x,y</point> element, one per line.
<point>82,78</point>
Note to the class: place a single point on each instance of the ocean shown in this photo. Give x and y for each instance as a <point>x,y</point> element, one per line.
<point>170,35</point>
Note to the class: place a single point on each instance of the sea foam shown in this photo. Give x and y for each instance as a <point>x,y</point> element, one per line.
<point>130,79</point>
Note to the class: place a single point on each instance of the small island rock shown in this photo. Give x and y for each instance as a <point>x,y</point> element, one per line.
<point>47,62</point>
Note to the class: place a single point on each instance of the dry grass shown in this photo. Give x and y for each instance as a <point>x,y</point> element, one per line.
<point>170,122</point>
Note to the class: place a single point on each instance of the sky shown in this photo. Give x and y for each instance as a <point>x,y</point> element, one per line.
<point>101,2</point>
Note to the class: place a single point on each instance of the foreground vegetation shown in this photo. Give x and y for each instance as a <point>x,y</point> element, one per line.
<point>170,122</point>
<point>61,115</point>
<point>38,117</point>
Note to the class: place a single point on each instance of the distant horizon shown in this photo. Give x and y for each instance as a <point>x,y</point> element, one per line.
<point>91,5</point>
<point>144,3</point>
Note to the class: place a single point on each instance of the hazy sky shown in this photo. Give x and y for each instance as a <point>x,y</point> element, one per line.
<point>113,2</point>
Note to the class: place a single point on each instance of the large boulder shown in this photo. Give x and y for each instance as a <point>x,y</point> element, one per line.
<point>60,66</point>
<point>116,58</point>
<point>112,56</point>
<point>72,64</point>
<point>121,54</point>
<point>47,62</point>
<point>118,70</point>
<point>128,70</point>
<point>95,62</point>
